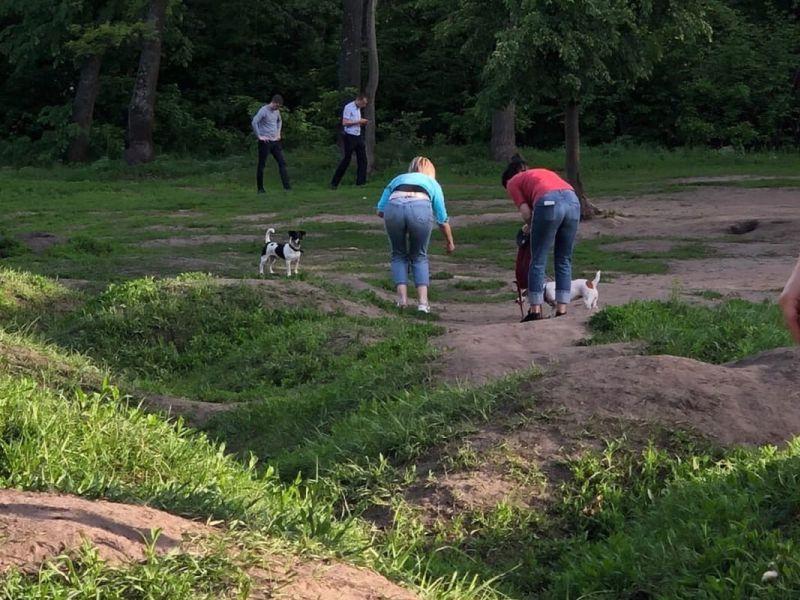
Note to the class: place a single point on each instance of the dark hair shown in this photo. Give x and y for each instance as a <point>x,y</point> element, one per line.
<point>362,96</point>
<point>516,165</point>
<point>278,99</point>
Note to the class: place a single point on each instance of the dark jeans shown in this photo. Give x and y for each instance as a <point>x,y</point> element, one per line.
<point>352,143</point>
<point>554,225</point>
<point>264,150</point>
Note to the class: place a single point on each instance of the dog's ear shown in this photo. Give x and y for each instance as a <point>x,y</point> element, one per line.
<point>302,233</point>
<point>292,233</point>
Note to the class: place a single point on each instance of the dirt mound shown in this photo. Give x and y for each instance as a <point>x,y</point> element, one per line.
<point>35,527</point>
<point>319,580</point>
<point>755,401</point>
<point>39,241</point>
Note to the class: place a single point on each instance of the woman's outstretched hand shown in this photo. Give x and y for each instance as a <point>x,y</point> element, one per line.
<point>449,246</point>
<point>789,302</point>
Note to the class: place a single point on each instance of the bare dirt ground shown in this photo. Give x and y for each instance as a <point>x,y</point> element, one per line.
<point>36,527</point>
<point>485,341</point>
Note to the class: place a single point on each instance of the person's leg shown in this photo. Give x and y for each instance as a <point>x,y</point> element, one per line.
<point>344,163</point>
<point>420,225</point>
<point>263,152</point>
<point>395,223</point>
<point>276,148</point>
<point>570,208</point>
<point>361,162</point>
<point>543,231</point>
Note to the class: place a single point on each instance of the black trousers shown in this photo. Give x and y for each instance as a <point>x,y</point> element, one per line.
<point>264,150</point>
<point>352,143</point>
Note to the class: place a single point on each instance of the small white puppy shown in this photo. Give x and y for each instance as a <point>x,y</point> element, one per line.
<point>581,288</point>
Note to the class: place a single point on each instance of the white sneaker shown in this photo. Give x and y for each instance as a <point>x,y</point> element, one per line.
<point>424,308</point>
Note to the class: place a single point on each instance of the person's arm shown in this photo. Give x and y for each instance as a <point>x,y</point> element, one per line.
<point>440,212</point>
<point>384,198</point>
<point>449,244</point>
<point>789,301</point>
<point>278,127</point>
<point>256,119</point>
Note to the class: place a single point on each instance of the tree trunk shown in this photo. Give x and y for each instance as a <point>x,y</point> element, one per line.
<point>372,81</point>
<point>141,112</point>
<point>503,144</point>
<point>350,53</point>
<point>573,159</point>
<point>83,108</point>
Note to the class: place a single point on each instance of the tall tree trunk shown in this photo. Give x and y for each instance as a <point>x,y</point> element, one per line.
<point>503,144</point>
<point>83,108</point>
<point>141,113</point>
<point>352,37</point>
<point>573,159</point>
<point>372,80</point>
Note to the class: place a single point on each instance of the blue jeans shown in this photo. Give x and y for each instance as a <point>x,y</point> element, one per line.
<point>409,225</point>
<point>554,224</point>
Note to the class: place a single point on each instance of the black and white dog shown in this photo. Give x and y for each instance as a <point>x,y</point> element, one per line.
<point>289,252</point>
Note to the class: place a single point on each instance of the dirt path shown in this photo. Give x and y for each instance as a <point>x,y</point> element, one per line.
<point>485,341</point>
<point>36,527</point>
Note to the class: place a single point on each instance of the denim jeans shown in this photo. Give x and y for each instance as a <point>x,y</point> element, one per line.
<point>554,225</point>
<point>409,224</point>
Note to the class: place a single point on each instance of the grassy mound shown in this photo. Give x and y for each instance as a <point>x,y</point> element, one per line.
<point>718,334</point>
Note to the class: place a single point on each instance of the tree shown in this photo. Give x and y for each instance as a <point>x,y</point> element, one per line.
<point>65,33</point>
<point>475,23</point>
<point>568,49</point>
<point>372,80</point>
<point>352,42</point>
<point>141,113</point>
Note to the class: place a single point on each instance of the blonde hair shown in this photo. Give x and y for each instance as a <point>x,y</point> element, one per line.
<point>420,164</point>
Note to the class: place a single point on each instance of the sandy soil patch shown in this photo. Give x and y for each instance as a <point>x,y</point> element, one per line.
<point>38,526</point>
<point>754,401</point>
<point>257,218</point>
<point>39,241</point>
<point>35,527</point>
<point>200,240</point>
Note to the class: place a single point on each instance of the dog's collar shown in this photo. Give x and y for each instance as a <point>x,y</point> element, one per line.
<point>293,247</point>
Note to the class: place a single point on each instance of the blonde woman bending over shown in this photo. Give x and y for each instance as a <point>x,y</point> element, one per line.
<point>408,207</point>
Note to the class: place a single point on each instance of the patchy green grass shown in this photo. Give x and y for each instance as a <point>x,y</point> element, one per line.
<point>174,576</point>
<point>726,332</point>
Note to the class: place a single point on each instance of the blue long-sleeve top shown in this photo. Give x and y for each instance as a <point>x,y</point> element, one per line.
<point>429,184</point>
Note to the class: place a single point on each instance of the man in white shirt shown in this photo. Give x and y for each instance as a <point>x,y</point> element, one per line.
<point>267,126</point>
<point>352,124</point>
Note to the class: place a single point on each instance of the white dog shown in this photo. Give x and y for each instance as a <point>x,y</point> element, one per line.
<point>289,252</point>
<point>581,288</point>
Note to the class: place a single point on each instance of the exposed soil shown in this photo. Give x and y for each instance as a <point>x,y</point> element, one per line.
<point>36,527</point>
<point>39,241</point>
<point>200,240</point>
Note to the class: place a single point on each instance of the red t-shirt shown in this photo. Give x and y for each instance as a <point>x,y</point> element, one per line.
<point>527,187</point>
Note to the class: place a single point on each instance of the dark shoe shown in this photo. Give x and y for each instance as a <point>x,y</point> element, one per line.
<point>334,186</point>
<point>532,316</point>
<point>261,192</point>
<point>560,314</point>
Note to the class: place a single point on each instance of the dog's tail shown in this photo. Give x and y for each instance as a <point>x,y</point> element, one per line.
<point>596,279</point>
<point>266,237</point>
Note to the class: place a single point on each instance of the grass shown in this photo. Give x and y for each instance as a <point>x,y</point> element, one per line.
<point>726,332</point>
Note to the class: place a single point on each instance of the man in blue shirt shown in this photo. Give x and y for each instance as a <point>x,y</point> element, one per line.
<point>352,124</point>
<point>267,127</point>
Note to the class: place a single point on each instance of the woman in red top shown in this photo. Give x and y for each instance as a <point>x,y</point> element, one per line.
<point>550,206</point>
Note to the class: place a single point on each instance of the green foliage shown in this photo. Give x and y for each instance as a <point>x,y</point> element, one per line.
<point>727,332</point>
<point>169,577</point>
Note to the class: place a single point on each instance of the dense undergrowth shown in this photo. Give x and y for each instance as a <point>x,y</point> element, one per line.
<point>673,519</point>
